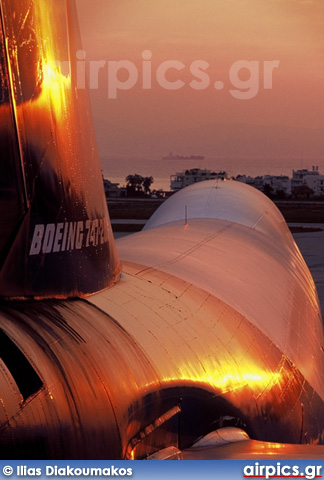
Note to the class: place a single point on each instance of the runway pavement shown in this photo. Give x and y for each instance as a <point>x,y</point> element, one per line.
<point>311,245</point>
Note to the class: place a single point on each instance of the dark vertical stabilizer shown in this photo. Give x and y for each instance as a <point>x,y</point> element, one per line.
<point>55,234</point>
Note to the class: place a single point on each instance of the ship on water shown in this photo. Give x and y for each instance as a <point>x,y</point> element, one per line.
<point>183,157</point>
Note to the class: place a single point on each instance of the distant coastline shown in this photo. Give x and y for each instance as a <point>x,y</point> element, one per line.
<point>116,168</point>
<point>183,157</point>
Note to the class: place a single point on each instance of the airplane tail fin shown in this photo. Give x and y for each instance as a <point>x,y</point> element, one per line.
<point>55,233</point>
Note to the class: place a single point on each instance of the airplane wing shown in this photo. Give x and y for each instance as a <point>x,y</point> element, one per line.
<point>234,444</point>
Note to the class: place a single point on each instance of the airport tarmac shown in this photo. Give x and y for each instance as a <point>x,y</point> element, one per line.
<point>311,245</point>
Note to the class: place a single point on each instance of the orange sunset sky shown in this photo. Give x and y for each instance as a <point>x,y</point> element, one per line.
<point>285,121</point>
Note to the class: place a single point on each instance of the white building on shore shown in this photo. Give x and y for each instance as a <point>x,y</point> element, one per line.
<point>195,175</point>
<point>310,178</point>
<point>270,184</point>
<point>277,183</point>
